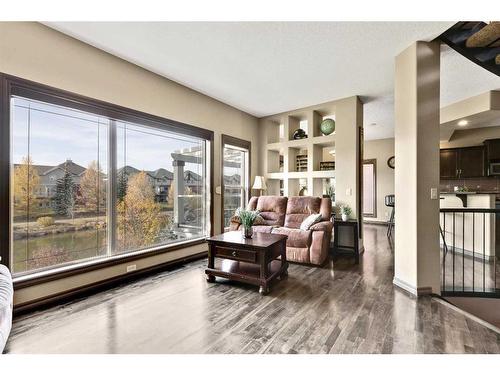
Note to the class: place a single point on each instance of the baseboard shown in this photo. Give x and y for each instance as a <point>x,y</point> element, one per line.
<point>417,292</point>
<point>469,254</point>
<point>375,222</point>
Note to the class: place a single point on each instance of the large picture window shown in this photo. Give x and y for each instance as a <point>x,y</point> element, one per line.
<point>86,185</point>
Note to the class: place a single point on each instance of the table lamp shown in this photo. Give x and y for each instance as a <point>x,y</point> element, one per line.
<point>259,184</point>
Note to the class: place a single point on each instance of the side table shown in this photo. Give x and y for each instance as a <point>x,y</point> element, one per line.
<point>343,249</point>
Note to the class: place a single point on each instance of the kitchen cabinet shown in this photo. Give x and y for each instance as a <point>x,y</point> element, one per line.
<point>471,162</point>
<point>492,149</point>
<point>448,163</point>
<point>466,162</point>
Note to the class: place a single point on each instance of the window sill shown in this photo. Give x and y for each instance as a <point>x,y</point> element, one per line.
<point>80,268</point>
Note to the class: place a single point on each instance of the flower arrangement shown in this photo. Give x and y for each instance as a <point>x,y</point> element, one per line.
<point>247,218</point>
<point>345,211</point>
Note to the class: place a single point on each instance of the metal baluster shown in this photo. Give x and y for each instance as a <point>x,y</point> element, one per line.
<point>473,246</point>
<point>463,252</point>
<point>453,274</point>
<point>484,252</point>
<point>444,249</point>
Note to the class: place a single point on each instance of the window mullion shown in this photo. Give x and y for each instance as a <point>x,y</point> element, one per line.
<point>112,186</point>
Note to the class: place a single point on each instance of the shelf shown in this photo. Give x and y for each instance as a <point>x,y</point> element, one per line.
<point>298,143</point>
<point>275,176</point>
<point>326,140</point>
<point>323,174</point>
<point>298,174</point>
<point>277,146</point>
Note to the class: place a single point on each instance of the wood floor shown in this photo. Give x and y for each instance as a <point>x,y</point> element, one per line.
<point>464,273</point>
<point>341,308</point>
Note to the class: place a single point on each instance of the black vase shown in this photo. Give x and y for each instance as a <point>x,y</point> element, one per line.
<point>299,134</point>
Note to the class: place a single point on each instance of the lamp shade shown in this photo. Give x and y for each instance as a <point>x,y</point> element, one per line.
<point>259,183</point>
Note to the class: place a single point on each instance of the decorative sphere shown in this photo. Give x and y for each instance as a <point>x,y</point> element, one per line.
<point>327,126</point>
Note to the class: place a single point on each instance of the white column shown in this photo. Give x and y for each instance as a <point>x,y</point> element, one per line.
<point>178,190</point>
<point>417,267</point>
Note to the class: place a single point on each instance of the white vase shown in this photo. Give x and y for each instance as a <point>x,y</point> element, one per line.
<point>344,217</point>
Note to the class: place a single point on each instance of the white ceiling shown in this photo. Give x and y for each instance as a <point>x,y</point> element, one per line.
<point>265,68</point>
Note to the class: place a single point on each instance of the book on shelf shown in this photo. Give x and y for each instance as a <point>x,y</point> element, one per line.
<point>327,166</point>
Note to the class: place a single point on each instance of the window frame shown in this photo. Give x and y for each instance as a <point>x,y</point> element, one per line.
<point>372,162</point>
<point>11,85</point>
<point>241,143</point>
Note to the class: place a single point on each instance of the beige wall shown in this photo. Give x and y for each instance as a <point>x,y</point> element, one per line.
<point>349,117</point>
<point>416,94</point>
<point>33,51</point>
<point>471,137</point>
<point>381,150</point>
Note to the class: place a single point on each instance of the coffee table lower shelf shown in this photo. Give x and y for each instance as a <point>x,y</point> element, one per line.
<point>247,273</point>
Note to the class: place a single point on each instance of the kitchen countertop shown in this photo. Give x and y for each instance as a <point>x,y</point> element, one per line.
<point>469,192</point>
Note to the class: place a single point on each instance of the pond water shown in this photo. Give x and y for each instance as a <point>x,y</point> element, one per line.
<point>55,249</point>
<point>39,252</point>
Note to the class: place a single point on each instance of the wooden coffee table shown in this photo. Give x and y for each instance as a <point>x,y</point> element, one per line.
<point>258,260</point>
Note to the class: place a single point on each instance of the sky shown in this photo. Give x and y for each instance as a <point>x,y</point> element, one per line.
<point>58,134</point>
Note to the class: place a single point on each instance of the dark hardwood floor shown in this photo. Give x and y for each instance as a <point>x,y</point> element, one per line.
<point>465,273</point>
<point>340,308</point>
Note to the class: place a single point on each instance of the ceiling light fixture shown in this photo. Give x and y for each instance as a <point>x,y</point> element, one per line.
<point>463,123</point>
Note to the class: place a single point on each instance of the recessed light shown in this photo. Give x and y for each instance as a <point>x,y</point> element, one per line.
<point>463,123</point>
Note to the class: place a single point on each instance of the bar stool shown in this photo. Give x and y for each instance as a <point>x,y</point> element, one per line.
<point>389,202</point>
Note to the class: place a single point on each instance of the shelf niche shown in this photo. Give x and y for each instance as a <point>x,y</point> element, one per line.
<point>294,185</point>
<point>275,187</point>
<point>274,161</point>
<point>293,161</point>
<point>274,131</point>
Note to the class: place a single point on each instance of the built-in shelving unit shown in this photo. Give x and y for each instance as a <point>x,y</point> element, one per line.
<point>341,150</point>
<point>300,158</point>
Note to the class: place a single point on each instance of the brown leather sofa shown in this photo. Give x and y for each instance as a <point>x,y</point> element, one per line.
<point>283,215</point>
<point>6,295</point>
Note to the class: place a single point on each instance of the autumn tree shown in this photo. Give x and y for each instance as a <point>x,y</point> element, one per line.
<point>26,182</point>
<point>64,198</point>
<point>139,217</point>
<point>170,196</point>
<point>93,187</point>
<point>121,189</point>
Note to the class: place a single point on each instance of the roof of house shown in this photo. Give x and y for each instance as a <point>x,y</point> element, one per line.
<point>69,165</point>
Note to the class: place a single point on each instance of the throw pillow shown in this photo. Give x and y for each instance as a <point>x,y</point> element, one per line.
<point>310,221</point>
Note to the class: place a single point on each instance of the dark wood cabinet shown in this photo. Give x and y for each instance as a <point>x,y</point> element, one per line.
<point>471,162</point>
<point>492,149</point>
<point>448,163</point>
<point>466,162</point>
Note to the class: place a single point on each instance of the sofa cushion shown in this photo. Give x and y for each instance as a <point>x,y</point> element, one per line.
<point>296,237</point>
<point>299,208</point>
<point>262,228</point>
<point>271,208</point>
<point>309,221</point>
